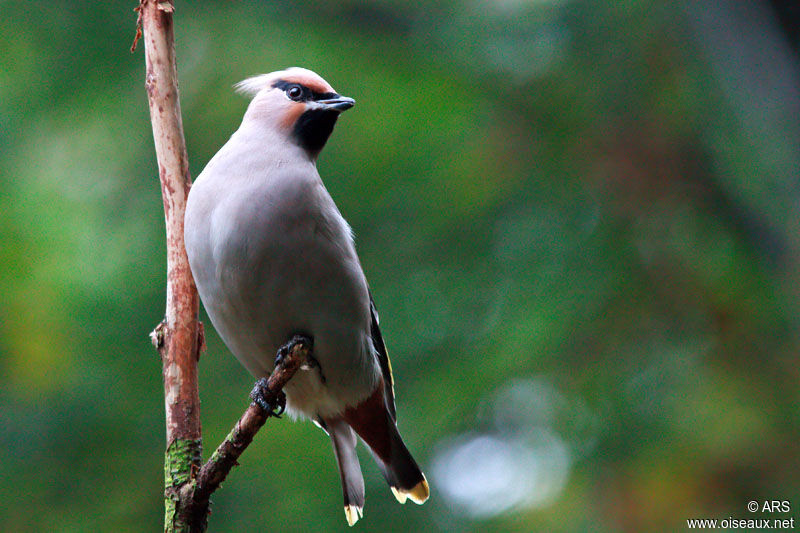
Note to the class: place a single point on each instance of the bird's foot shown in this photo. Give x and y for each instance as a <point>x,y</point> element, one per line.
<point>309,363</point>
<point>261,397</point>
<point>284,350</point>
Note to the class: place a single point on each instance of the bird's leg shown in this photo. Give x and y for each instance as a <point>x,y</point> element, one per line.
<point>274,402</point>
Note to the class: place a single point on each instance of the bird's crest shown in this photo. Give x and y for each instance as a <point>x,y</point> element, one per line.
<point>253,85</point>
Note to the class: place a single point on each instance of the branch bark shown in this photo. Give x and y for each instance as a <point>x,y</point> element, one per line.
<point>179,337</point>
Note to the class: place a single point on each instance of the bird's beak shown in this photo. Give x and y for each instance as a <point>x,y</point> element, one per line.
<point>340,103</point>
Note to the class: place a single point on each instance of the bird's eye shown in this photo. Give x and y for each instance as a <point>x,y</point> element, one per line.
<point>295,92</point>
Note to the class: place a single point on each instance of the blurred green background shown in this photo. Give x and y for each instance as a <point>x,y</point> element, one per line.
<point>580,221</point>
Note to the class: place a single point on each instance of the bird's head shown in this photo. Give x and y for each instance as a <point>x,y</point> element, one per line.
<point>296,103</point>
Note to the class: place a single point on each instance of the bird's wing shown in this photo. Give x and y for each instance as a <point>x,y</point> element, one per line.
<point>383,358</point>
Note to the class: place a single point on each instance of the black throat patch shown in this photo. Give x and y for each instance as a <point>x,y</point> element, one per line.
<point>313,129</point>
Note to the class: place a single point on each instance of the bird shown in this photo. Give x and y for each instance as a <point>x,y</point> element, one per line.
<point>273,257</point>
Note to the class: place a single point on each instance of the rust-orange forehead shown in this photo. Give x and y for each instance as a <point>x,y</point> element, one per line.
<point>315,84</point>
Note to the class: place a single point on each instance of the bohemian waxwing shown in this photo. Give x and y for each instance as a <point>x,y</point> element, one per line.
<point>273,257</point>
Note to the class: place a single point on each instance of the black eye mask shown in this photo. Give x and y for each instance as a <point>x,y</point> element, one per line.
<point>308,94</point>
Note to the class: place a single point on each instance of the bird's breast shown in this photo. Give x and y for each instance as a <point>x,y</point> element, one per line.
<point>273,258</point>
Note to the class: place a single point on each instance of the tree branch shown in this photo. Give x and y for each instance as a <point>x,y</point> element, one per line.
<point>180,330</point>
<point>179,337</point>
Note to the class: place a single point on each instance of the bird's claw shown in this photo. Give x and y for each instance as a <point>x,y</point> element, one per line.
<point>259,397</point>
<point>284,350</point>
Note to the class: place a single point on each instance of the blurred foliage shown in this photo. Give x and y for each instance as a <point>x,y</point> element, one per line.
<point>579,220</point>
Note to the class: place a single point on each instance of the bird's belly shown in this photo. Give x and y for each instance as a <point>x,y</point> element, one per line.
<point>296,280</point>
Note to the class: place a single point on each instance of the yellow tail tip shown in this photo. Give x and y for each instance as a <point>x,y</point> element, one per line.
<point>418,494</point>
<point>353,513</point>
<point>400,496</point>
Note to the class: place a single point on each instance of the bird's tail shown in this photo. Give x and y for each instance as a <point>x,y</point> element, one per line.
<point>373,423</point>
<point>402,472</point>
<point>344,446</point>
